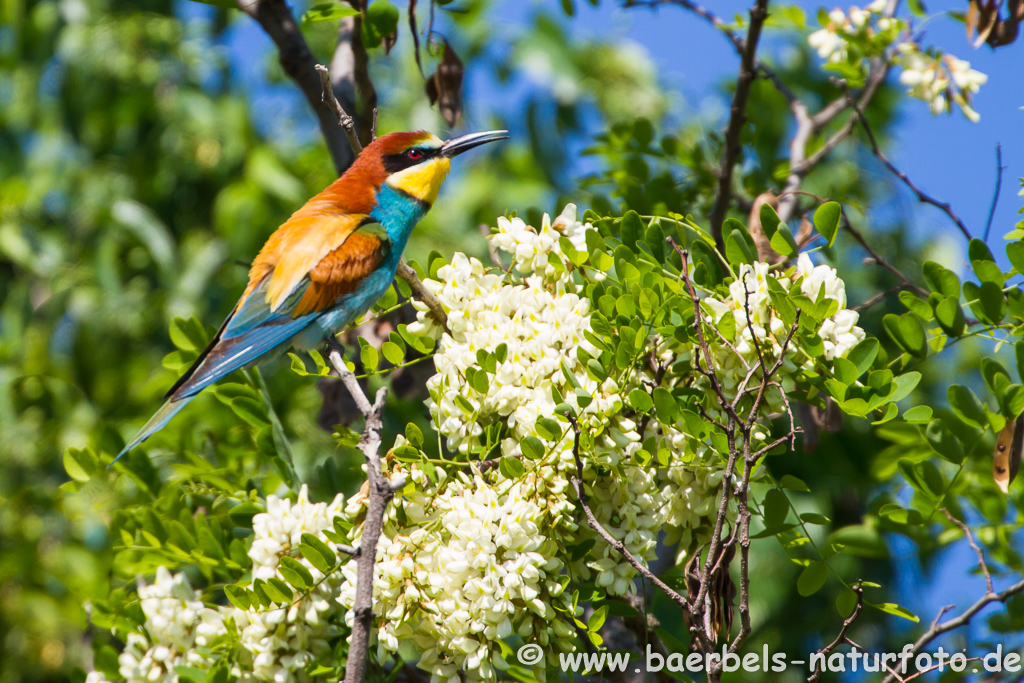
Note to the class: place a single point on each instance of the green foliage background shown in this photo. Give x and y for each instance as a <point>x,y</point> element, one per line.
<point>134,188</point>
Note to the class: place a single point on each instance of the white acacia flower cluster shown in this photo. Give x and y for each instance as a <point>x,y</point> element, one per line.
<point>754,317</point>
<point>540,318</point>
<point>178,629</point>
<point>939,80</point>
<point>530,247</point>
<point>279,643</point>
<point>538,314</point>
<point>468,566</point>
<point>275,644</point>
<point>832,40</point>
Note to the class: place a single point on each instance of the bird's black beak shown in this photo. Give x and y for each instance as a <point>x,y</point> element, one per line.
<point>458,145</point>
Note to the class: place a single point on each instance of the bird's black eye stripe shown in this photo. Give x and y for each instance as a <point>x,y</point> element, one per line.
<point>394,163</point>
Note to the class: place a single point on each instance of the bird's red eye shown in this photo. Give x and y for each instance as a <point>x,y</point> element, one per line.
<point>414,154</point>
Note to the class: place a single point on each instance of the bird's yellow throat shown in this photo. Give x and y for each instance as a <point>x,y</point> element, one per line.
<point>422,181</point>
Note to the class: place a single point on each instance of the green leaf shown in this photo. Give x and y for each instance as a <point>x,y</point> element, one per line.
<point>511,468</point>
<point>188,335</point>
<point>328,11</point>
<point>892,607</point>
<point>775,508</point>
<point>826,221</point>
<point>993,302</point>
<point>907,332</point>
<point>549,428</point>
<point>916,305</point>
<point>1012,401</point>
<point>944,442</point>
<point>295,573</point>
<point>977,250</point>
<point>241,515</point>
<point>597,619</point>
<point>250,410</point>
<point>924,477</point>
<point>278,590</point>
<point>815,518</point>
<point>812,578</point>
<point>739,245</point>
<point>532,447</point>
<point>318,553</point>
<point>950,316</point>
<point>770,220</point>
<point>665,405</point>
<point>904,384</point>
<point>380,20</point>
<point>640,400</point>
<point>966,405</point>
<point>393,353</point>
<point>863,354</point>
<point>238,597</point>
<point>941,279</point>
<point>900,515</point>
<point>846,601</point>
<point>1015,252</point>
<point>790,482</point>
<point>80,464</point>
<point>782,241</point>
<point>918,415</point>
<point>630,229</point>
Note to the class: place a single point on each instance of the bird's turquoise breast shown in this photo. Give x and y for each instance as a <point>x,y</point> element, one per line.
<point>398,213</point>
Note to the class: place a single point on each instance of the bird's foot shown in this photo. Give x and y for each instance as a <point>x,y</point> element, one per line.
<point>334,345</point>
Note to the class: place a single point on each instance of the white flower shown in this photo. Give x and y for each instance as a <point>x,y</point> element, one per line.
<point>939,80</point>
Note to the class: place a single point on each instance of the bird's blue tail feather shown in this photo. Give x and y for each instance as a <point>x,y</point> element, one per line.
<point>168,410</point>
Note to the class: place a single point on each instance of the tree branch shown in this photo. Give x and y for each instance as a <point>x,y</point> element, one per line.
<point>737,117</point>
<point>936,629</point>
<point>379,493</point>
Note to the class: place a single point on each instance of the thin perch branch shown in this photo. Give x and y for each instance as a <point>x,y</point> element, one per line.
<point>422,294</point>
<point>379,493</point>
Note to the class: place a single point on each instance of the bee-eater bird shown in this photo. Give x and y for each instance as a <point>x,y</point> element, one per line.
<point>329,263</point>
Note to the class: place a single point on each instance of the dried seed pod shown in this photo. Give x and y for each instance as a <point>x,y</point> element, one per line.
<point>1006,458</point>
<point>444,86</point>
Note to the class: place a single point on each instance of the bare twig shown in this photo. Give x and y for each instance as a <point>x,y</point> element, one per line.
<point>860,308</point>
<point>905,281</point>
<point>995,195</point>
<point>970,539</point>
<point>921,196</point>
<point>379,493</point>
<point>344,120</point>
<point>841,638</point>
<point>581,494</point>
<point>808,126</point>
<point>737,117</point>
<point>937,629</point>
